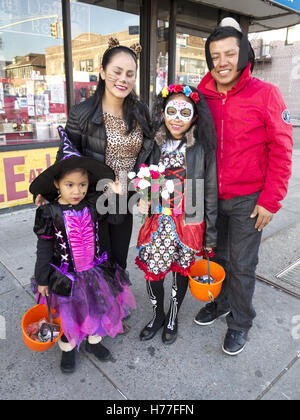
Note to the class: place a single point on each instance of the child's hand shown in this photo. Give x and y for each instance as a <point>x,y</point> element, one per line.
<point>40,201</point>
<point>43,290</point>
<point>143,206</point>
<point>116,187</point>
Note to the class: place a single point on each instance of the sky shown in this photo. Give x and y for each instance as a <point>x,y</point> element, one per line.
<point>35,36</point>
<point>278,35</point>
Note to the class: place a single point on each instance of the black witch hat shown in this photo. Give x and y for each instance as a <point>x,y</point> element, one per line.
<point>68,158</point>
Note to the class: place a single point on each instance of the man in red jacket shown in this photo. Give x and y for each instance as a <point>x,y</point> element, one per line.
<point>254,165</point>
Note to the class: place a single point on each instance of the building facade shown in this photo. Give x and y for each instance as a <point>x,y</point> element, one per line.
<point>278,62</point>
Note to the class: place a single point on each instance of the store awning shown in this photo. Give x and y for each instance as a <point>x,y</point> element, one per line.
<point>264,15</point>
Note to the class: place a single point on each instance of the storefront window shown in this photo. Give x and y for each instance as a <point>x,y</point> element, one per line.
<point>190,59</point>
<point>162,55</point>
<point>32,87</point>
<point>92,26</point>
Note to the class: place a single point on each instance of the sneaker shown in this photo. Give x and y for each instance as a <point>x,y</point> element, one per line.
<point>234,342</point>
<point>208,314</point>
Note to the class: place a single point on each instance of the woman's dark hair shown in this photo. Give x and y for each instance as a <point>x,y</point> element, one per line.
<point>134,111</point>
<point>204,130</point>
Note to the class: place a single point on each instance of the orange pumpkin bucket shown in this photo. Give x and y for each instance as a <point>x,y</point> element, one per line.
<point>35,314</point>
<point>204,291</point>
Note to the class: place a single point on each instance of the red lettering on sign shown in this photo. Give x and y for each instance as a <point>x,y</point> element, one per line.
<point>39,171</point>
<point>1,198</point>
<point>11,178</point>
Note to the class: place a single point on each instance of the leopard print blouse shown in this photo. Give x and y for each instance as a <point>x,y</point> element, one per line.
<point>121,150</point>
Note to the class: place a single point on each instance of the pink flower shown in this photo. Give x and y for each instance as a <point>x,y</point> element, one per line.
<point>136,183</point>
<point>177,210</point>
<point>171,88</point>
<point>143,165</point>
<point>154,174</point>
<point>155,188</point>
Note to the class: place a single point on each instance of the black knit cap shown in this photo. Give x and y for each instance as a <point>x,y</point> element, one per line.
<point>231,28</point>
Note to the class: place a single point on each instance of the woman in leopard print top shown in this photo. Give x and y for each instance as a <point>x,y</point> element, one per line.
<point>113,126</point>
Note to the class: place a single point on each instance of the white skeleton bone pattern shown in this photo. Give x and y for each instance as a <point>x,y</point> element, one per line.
<point>153,300</point>
<point>174,304</point>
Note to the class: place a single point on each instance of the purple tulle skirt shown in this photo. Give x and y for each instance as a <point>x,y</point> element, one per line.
<point>100,300</point>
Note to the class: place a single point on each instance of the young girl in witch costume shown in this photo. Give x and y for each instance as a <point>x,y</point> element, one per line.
<point>183,226</point>
<point>89,292</point>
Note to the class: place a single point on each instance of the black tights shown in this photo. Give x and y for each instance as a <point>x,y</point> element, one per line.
<point>155,291</point>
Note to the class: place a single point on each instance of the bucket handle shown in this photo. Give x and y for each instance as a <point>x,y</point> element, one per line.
<point>208,266</point>
<point>49,313</point>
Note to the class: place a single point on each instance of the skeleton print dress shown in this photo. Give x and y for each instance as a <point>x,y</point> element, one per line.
<point>165,242</point>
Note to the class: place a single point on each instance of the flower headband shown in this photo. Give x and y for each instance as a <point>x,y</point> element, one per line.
<point>186,90</point>
<point>114,43</point>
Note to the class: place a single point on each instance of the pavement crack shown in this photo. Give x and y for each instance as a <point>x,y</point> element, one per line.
<point>105,375</point>
<point>277,379</point>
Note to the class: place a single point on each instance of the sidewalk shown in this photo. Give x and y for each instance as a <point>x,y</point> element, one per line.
<point>194,367</point>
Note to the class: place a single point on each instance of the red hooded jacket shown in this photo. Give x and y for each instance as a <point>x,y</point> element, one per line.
<point>255,142</point>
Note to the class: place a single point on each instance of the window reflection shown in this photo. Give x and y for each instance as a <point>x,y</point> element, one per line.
<point>190,59</point>
<point>32,97</point>
<point>92,26</point>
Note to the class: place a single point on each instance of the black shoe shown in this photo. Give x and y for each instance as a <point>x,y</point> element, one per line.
<point>67,364</point>
<point>234,342</point>
<point>169,336</point>
<point>208,314</point>
<point>98,350</point>
<point>148,333</point>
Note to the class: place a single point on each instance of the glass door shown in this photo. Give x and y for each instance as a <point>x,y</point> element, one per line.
<point>190,59</point>
<point>91,27</point>
<point>32,86</point>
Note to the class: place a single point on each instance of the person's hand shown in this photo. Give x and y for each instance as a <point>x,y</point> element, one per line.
<point>207,249</point>
<point>264,217</point>
<point>43,290</point>
<point>116,187</point>
<point>143,206</point>
<point>40,201</point>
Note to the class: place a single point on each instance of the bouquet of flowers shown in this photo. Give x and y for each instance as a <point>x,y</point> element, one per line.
<point>151,184</point>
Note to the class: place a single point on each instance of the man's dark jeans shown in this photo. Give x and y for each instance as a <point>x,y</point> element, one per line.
<point>237,251</point>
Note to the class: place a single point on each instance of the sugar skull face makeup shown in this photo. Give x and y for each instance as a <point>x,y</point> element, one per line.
<point>179,109</point>
<point>179,115</point>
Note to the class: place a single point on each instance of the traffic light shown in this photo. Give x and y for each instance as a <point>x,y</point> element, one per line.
<point>53,27</point>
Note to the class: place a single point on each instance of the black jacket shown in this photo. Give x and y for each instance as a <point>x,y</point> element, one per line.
<point>49,223</point>
<point>89,135</point>
<point>201,171</point>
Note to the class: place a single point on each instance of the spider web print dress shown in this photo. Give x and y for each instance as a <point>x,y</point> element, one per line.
<point>166,243</point>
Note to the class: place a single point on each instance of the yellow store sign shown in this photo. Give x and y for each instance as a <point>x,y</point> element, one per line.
<point>18,169</point>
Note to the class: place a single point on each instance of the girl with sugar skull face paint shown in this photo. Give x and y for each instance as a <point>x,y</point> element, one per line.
<point>185,145</point>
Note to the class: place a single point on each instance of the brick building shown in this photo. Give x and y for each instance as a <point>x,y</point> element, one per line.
<point>278,62</point>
